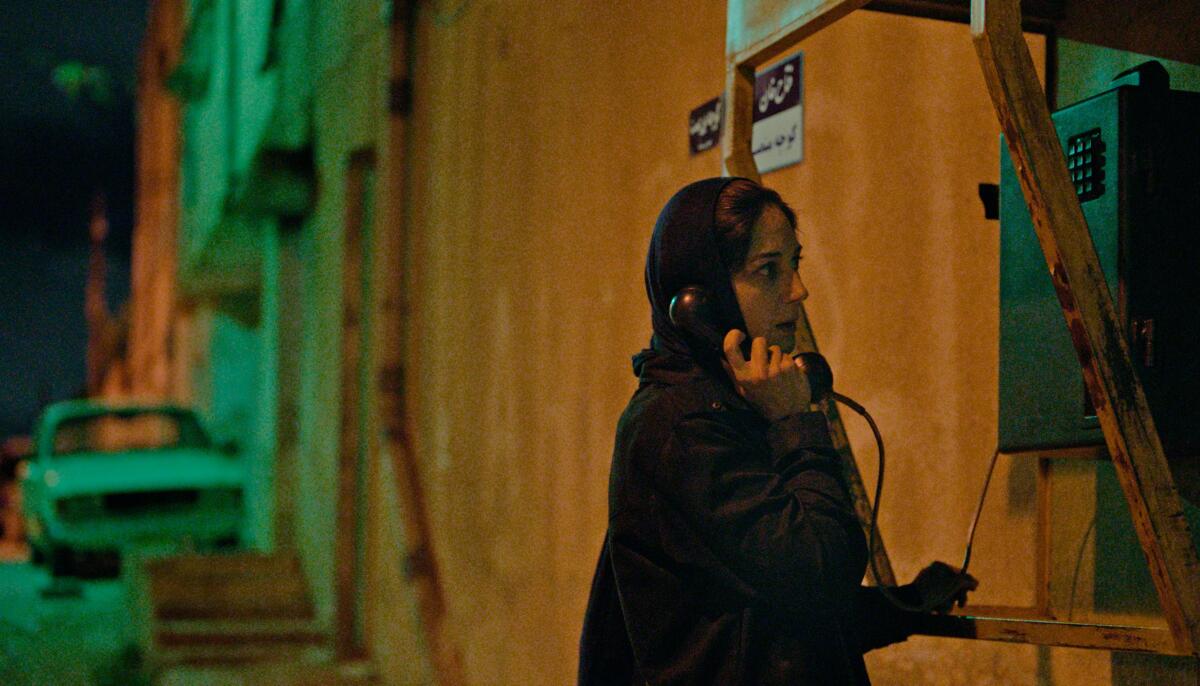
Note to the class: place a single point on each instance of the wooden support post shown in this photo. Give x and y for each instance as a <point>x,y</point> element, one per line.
<point>1010,629</point>
<point>1137,453</point>
<point>735,148</point>
<point>762,31</point>
<point>739,161</point>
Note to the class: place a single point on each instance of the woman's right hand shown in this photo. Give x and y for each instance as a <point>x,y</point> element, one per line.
<point>769,380</point>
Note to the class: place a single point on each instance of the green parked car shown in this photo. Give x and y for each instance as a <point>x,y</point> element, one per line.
<point>104,477</point>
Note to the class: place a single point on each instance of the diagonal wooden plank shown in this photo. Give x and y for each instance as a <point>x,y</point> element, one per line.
<point>1137,453</point>
<point>757,31</point>
<point>739,161</point>
<point>1010,629</point>
<point>735,146</point>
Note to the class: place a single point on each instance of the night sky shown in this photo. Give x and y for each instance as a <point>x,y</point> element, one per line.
<point>67,74</point>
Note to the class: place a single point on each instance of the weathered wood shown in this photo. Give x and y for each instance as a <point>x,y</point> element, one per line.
<point>737,158</point>
<point>858,492</point>
<point>739,161</point>
<point>1036,15</point>
<point>1050,633</point>
<point>760,30</point>
<point>999,612</point>
<point>1120,401</point>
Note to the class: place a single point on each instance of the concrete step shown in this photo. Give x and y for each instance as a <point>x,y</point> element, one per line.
<point>226,616</point>
<point>239,585</point>
<point>346,674</point>
<point>241,655</point>
<point>168,633</point>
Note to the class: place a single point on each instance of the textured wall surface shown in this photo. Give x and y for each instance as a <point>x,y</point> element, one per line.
<point>543,141</point>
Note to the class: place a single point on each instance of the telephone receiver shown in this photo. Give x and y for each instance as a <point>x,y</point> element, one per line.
<point>692,310</point>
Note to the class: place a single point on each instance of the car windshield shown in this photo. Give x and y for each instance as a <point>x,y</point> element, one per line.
<point>128,431</point>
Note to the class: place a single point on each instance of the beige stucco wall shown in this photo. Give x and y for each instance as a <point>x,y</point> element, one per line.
<point>543,141</point>
<point>545,138</point>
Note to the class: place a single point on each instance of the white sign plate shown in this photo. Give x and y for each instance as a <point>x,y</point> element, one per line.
<point>777,139</point>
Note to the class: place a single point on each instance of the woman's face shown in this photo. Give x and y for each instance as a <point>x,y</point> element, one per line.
<point>768,287</point>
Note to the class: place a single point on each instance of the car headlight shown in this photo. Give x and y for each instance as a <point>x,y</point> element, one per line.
<point>80,507</point>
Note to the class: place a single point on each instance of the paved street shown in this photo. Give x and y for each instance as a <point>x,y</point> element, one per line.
<point>71,641</point>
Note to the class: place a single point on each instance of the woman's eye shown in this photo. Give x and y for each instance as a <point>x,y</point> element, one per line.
<point>767,270</point>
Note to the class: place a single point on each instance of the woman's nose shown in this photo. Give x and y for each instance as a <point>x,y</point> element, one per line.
<point>798,293</point>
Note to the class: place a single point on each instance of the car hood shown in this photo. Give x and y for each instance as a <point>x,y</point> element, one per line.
<point>90,473</point>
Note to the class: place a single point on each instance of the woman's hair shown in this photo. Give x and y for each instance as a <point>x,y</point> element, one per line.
<point>739,206</point>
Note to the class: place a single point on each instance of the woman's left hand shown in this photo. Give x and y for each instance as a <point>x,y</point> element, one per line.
<point>939,586</point>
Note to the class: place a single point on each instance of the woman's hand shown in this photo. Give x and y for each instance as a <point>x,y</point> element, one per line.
<point>939,586</point>
<point>769,380</point>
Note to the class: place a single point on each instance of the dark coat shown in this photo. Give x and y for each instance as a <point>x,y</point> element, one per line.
<point>733,555</point>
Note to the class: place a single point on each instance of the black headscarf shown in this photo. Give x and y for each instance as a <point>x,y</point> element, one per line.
<point>683,252</point>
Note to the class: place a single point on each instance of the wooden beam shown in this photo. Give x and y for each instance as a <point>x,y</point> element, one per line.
<point>758,31</point>
<point>1050,633</point>
<point>858,492</point>
<point>739,161</point>
<point>1036,15</point>
<point>736,156</point>
<point>1137,453</point>
<point>1014,612</point>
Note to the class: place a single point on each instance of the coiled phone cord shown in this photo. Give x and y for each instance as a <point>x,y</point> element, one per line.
<point>874,533</point>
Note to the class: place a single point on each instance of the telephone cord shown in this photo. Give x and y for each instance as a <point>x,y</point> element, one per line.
<point>873,533</point>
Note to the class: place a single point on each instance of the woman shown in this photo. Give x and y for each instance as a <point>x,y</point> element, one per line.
<point>733,555</point>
